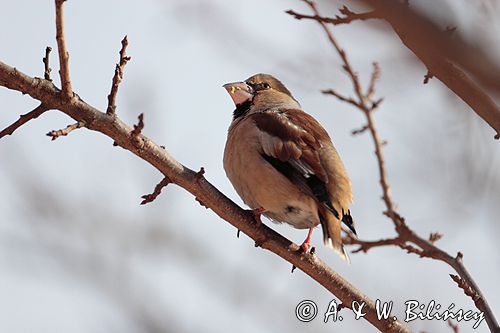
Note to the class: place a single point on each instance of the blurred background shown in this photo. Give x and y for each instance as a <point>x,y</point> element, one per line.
<point>79,254</point>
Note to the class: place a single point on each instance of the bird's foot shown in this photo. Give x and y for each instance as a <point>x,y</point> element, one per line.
<point>305,247</point>
<point>307,242</point>
<point>257,212</point>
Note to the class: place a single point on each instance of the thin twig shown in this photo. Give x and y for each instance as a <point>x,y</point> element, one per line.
<point>365,246</point>
<point>342,98</point>
<point>434,237</point>
<point>24,119</point>
<point>117,78</point>
<point>46,63</point>
<point>468,290</point>
<point>347,65</point>
<point>359,130</point>
<point>139,127</point>
<point>348,16</point>
<point>156,192</point>
<point>373,81</point>
<point>67,90</point>
<point>65,131</point>
<point>386,189</point>
<point>136,132</point>
<point>427,77</point>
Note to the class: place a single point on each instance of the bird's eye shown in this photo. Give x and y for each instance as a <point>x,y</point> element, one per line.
<point>261,86</point>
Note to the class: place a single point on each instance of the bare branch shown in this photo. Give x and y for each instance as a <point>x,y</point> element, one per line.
<point>139,127</point>
<point>67,90</point>
<point>434,237</point>
<point>443,57</point>
<point>135,134</point>
<point>117,78</point>
<point>360,130</point>
<point>46,62</point>
<point>407,239</point>
<point>200,173</point>
<point>65,131</point>
<point>190,180</point>
<point>373,81</point>
<point>365,246</point>
<point>340,97</point>
<point>347,65</point>
<point>156,192</point>
<point>468,290</point>
<point>449,60</point>
<point>348,16</point>
<point>195,183</point>
<point>386,188</point>
<point>23,119</point>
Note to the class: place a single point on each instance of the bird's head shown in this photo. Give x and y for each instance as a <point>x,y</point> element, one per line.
<point>262,90</point>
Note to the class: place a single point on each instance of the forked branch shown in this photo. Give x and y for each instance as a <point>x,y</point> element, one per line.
<point>133,140</point>
<point>406,238</point>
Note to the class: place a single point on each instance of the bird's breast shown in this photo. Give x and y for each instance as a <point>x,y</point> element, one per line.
<point>260,185</point>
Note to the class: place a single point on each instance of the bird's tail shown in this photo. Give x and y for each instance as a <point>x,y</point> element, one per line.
<point>331,234</point>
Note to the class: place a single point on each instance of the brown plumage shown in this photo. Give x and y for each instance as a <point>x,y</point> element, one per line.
<point>281,160</point>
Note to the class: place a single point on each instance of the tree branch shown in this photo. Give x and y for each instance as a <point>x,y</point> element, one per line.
<point>196,184</point>
<point>67,90</point>
<point>406,238</point>
<point>445,58</point>
<point>65,131</point>
<point>147,198</point>
<point>348,16</point>
<point>117,78</point>
<point>46,63</point>
<point>23,119</point>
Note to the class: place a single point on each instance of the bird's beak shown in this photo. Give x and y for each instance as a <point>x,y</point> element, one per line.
<point>240,92</point>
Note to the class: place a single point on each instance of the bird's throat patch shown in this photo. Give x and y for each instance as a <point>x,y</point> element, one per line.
<point>242,109</point>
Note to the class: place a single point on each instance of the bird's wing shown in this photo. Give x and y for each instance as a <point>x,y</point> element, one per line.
<point>296,144</point>
<point>291,140</point>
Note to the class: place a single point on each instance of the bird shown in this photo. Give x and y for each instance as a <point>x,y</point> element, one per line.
<point>283,164</point>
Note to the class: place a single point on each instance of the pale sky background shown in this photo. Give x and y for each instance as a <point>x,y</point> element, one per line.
<point>78,253</point>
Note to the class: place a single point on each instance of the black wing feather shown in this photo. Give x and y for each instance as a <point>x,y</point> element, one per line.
<point>317,187</point>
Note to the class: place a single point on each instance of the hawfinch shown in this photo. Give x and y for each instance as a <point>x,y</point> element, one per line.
<point>282,162</point>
